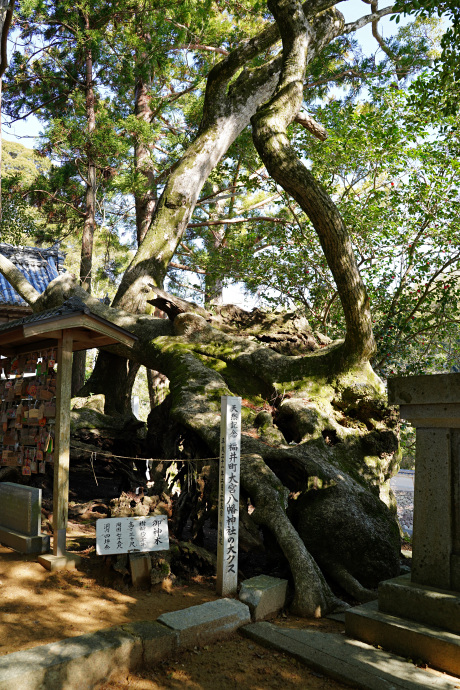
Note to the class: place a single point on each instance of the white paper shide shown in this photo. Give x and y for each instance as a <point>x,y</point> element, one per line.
<point>133,534</point>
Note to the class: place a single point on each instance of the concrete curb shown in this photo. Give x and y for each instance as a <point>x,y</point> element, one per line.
<point>346,660</point>
<point>80,663</point>
<point>210,621</point>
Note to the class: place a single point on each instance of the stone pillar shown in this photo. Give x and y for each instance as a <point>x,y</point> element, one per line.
<point>418,616</point>
<point>432,405</point>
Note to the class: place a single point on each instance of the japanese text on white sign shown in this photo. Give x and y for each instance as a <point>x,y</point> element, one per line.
<point>133,534</point>
<point>229,496</point>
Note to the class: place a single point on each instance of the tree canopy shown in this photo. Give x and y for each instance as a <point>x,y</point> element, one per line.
<point>254,143</point>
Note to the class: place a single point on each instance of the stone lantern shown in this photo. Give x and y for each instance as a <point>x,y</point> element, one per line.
<point>418,615</point>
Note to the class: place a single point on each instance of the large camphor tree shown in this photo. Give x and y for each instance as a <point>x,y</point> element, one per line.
<point>319,443</point>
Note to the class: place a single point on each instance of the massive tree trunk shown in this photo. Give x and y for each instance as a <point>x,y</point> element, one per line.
<point>318,442</point>
<point>227,111</point>
<point>228,107</point>
<point>312,467</point>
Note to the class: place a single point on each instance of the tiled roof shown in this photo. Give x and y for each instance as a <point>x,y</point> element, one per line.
<point>40,266</point>
<point>73,305</point>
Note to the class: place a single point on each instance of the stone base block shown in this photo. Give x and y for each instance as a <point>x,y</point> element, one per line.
<point>403,598</point>
<point>264,595</point>
<point>67,562</point>
<point>24,544</point>
<point>158,641</point>
<point>417,641</point>
<point>207,622</point>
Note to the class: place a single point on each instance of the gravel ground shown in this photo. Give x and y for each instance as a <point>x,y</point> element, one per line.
<point>405,501</point>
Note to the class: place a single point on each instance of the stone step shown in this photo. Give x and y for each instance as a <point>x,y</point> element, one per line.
<point>418,641</point>
<point>403,598</point>
<point>206,622</point>
<point>349,661</point>
<point>264,595</point>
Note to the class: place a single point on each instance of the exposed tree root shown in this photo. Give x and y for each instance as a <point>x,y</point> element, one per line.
<point>313,596</point>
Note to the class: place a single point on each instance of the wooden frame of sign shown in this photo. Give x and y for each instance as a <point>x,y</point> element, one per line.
<point>65,330</point>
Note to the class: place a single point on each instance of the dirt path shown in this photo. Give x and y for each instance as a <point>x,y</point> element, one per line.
<point>38,607</point>
<point>234,664</point>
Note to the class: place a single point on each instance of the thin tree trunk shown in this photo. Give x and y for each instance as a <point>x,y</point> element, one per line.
<point>213,284</point>
<point>145,199</point>
<point>89,224</point>
<point>87,241</point>
<point>6,15</point>
<point>109,367</point>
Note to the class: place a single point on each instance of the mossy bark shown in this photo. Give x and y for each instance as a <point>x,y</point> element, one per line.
<point>270,138</point>
<point>345,446</point>
<point>235,89</point>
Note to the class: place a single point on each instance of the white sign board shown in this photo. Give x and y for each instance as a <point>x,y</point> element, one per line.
<point>133,534</point>
<point>229,496</point>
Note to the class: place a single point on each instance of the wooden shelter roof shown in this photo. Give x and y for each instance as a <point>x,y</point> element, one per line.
<point>42,330</point>
<point>39,265</point>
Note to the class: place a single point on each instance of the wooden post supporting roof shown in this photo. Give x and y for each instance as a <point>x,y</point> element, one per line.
<point>62,445</point>
<point>69,328</point>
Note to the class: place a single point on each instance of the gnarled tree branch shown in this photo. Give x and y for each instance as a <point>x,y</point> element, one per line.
<point>18,281</point>
<point>270,138</point>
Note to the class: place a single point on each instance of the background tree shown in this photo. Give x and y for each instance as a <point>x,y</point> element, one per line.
<point>314,397</point>
<point>319,443</point>
<point>6,16</point>
<point>55,77</point>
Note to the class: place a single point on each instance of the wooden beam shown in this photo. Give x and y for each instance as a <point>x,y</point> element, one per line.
<point>62,444</point>
<point>111,332</point>
<point>85,321</point>
<point>33,345</point>
<point>88,344</point>
<point>16,335</point>
<point>43,327</point>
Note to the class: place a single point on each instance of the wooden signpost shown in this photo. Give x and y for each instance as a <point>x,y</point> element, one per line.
<point>229,496</point>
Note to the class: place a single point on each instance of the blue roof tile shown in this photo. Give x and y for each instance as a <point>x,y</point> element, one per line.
<point>40,266</point>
